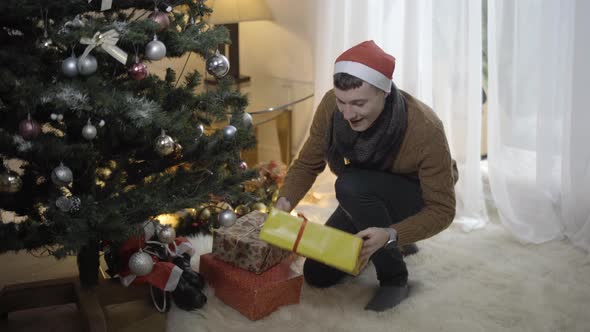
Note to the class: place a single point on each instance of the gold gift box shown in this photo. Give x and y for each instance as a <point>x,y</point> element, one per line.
<point>321,243</point>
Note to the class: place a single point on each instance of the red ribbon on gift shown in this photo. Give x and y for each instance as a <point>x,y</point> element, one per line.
<point>300,234</point>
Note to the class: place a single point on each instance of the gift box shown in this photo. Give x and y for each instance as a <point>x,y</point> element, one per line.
<point>240,245</point>
<point>322,243</point>
<point>253,295</point>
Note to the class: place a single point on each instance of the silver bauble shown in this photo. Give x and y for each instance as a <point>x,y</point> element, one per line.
<point>229,132</point>
<point>164,144</point>
<point>167,235</point>
<point>70,66</point>
<point>227,218</point>
<point>245,119</point>
<point>10,182</point>
<point>64,203</point>
<point>89,131</point>
<point>217,65</point>
<point>155,50</point>
<point>87,65</point>
<point>62,175</point>
<point>141,264</point>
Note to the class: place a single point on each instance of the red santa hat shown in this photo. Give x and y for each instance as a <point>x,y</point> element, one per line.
<point>368,62</point>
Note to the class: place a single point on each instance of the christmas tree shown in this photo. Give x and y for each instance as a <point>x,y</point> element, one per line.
<point>102,145</point>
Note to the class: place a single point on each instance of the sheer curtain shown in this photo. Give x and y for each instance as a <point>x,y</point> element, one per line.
<point>539,158</point>
<point>437,45</point>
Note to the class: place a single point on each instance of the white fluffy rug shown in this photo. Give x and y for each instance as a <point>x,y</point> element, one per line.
<point>479,281</point>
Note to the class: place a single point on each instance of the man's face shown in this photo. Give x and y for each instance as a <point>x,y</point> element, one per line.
<point>360,106</point>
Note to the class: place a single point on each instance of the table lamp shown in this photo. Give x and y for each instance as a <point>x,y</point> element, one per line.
<point>230,13</point>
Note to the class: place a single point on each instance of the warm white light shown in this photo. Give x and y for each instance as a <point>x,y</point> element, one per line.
<point>234,11</point>
<point>168,219</point>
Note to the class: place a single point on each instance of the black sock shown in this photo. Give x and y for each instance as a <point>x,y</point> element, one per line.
<point>387,296</point>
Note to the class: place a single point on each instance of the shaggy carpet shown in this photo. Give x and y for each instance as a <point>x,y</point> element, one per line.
<point>484,280</point>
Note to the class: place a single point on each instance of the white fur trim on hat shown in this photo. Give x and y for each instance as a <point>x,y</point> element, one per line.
<point>365,73</point>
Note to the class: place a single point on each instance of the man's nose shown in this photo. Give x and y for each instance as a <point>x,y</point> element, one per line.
<point>347,113</point>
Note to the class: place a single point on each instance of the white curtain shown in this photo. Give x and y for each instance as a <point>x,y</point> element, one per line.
<point>539,154</point>
<point>437,45</point>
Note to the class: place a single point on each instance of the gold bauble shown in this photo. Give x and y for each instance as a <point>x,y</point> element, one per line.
<point>259,206</point>
<point>204,214</point>
<point>242,210</point>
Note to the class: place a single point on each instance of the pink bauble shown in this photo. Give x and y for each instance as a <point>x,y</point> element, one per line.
<point>243,166</point>
<point>160,18</point>
<point>138,71</point>
<point>29,129</point>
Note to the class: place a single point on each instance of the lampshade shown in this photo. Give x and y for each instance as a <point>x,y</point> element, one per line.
<point>234,11</point>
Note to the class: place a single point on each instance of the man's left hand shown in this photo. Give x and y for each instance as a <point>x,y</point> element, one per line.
<point>374,238</point>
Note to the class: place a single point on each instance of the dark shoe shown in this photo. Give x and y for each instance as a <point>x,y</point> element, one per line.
<point>409,249</point>
<point>387,297</point>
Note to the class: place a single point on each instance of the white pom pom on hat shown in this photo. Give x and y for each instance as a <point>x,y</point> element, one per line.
<point>368,62</point>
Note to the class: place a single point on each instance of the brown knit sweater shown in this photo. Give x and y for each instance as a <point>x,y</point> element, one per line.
<point>424,153</point>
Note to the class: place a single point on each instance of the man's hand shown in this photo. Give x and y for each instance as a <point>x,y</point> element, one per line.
<point>283,204</point>
<point>374,238</point>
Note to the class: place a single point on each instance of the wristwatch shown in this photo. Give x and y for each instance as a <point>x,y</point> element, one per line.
<point>392,242</point>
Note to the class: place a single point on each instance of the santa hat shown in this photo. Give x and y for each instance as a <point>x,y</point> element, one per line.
<point>368,62</point>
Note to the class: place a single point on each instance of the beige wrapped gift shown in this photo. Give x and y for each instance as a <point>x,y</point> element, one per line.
<point>240,245</point>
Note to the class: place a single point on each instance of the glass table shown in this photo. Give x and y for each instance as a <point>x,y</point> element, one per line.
<point>272,102</point>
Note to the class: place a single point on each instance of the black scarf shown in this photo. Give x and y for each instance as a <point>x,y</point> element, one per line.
<point>375,148</point>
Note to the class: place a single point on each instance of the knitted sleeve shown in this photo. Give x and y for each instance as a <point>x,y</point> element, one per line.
<point>311,160</point>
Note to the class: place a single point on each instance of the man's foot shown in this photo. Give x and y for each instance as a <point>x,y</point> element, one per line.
<point>409,249</point>
<point>387,297</point>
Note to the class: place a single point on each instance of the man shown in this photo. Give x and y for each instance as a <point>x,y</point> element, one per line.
<point>395,176</point>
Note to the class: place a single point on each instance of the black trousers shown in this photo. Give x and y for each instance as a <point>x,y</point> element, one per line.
<point>369,199</point>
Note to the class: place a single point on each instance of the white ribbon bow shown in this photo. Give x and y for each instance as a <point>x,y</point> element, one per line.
<point>107,41</point>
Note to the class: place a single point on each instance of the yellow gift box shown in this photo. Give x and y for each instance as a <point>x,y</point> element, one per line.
<point>321,243</point>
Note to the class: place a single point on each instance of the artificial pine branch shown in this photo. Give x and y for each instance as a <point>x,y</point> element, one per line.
<point>118,177</point>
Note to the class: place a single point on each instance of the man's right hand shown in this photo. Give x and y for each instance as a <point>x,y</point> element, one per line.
<point>283,204</point>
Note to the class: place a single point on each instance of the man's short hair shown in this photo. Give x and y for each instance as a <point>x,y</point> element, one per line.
<point>344,81</point>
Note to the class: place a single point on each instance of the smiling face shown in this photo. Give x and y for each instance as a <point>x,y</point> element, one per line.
<point>360,106</point>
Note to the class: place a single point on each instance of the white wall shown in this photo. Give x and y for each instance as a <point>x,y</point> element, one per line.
<point>281,48</point>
